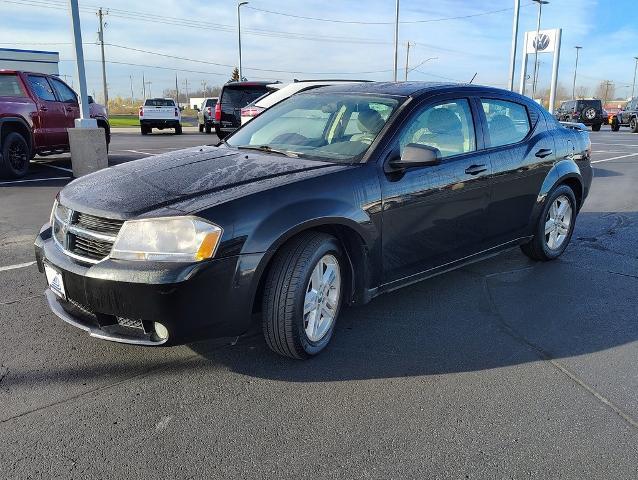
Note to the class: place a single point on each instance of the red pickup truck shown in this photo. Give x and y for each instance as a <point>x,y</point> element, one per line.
<point>35,112</point>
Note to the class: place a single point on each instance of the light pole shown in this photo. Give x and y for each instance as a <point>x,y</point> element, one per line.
<point>396,42</point>
<point>517,7</point>
<point>239,35</point>
<point>575,71</point>
<point>633,87</point>
<point>538,29</point>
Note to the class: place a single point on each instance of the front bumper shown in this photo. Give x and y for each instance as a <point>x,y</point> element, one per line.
<point>192,301</point>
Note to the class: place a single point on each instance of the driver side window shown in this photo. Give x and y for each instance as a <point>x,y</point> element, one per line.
<point>446,126</point>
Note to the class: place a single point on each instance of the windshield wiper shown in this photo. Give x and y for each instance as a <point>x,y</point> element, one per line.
<point>268,149</point>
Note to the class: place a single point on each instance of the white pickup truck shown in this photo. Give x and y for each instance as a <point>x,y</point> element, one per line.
<point>160,113</point>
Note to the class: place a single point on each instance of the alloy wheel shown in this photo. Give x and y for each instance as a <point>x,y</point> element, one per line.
<point>558,222</point>
<point>322,298</point>
<point>18,156</point>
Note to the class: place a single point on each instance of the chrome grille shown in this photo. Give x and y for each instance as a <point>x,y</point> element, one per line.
<point>83,236</point>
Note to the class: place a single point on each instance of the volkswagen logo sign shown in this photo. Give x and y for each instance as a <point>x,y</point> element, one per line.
<point>541,42</point>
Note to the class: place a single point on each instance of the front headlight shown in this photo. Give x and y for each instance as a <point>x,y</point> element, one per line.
<point>167,239</point>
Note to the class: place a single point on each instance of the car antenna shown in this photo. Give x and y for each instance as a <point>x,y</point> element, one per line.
<point>473,78</point>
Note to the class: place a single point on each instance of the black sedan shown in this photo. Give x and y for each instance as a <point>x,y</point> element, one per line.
<point>327,199</point>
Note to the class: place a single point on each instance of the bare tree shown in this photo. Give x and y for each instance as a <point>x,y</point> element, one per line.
<point>582,92</point>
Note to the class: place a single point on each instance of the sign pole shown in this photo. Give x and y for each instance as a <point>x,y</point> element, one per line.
<point>555,65</point>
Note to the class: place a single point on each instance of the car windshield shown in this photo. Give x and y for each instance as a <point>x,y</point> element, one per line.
<point>332,127</point>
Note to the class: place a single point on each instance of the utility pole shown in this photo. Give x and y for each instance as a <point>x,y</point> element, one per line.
<point>575,71</point>
<point>407,61</point>
<point>239,36</point>
<point>538,29</point>
<point>143,87</point>
<point>186,83</point>
<point>101,40</point>
<point>607,85</point>
<point>633,88</point>
<point>176,91</point>
<point>517,7</point>
<point>396,42</point>
<point>132,95</point>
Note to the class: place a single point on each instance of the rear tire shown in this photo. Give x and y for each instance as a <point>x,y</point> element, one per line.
<point>201,128</point>
<point>596,127</point>
<point>208,129</point>
<point>145,130</point>
<point>178,130</point>
<point>219,133</point>
<point>633,124</point>
<point>15,156</point>
<point>302,295</point>
<point>554,228</point>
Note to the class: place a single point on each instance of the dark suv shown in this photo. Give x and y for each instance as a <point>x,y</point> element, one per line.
<point>628,117</point>
<point>233,97</point>
<point>587,112</point>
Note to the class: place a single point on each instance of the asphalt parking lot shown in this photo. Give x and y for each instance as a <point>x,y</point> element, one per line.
<point>504,369</point>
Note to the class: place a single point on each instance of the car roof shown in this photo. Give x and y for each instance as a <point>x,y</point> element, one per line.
<point>247,84</point>
<point>408,89</point>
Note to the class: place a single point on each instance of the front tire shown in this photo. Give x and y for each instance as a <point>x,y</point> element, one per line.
<point>302,295</point>
<point>633,125</point>
<point>615,124</point>
<point>15,156</point>
<point>555,226</point>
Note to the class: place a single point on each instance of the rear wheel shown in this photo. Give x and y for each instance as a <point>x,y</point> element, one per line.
<point>302,295</point>
<point>208,129</point>
<point>633,124</point>
<point>219,133</point>
<point>596,127</point>
<point>201,128</point>
<point>15,156</point>
<point>145,130</point>
<point>178,130</point>
<point>555,226</point>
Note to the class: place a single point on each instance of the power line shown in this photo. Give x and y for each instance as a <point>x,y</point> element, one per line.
<point>358,22</point>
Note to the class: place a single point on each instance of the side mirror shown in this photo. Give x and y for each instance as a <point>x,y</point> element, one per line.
<point>416,155</point>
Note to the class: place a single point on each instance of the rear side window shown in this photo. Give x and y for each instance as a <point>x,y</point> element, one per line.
<point>41,88</point>
<point>211,102</point>
<point>239,97</point>
<point>507,122</point>
<point>64,93</point>
<point>10,86</point>
<point>159,102</point>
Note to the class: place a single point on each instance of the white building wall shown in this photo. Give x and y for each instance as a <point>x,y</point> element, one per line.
<point>29,60</point>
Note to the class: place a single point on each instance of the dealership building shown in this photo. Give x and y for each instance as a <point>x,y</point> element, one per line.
<point>30,60</point>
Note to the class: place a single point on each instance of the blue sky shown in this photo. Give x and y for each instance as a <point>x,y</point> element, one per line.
<point>279,47</point>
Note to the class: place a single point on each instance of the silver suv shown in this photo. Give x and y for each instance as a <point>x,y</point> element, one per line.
<point>206,115</point>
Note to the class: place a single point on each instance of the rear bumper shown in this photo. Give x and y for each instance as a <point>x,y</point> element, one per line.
<point>192,301</point>
<point>159,123</point>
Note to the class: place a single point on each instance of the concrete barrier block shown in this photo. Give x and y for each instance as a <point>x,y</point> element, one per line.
<point>88,150</point>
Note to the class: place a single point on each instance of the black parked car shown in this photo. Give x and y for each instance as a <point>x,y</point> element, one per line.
<point>587,112</point>
<point>326,199</point>
<point>233,97</point>
<point>628,117</point>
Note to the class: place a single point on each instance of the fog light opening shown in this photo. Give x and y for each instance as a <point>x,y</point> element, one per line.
<point>160,330</point>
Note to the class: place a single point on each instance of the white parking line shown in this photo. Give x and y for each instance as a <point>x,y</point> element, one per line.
<point>54,166</point>
<point>16,266</point>
<point>615,158</point>
<point>615,144</point>
<point>137,151</point>
<point>35,180</point>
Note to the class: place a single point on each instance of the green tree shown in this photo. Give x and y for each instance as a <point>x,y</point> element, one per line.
<point>234,77</point>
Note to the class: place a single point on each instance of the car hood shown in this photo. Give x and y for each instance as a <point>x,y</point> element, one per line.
<point>137,187</point>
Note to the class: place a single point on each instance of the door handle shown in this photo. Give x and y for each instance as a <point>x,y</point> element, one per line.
<point>544,152</point>
<point>475,169</point>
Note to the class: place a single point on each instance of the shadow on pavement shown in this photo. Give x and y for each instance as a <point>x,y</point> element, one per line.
<point>496,313</point>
